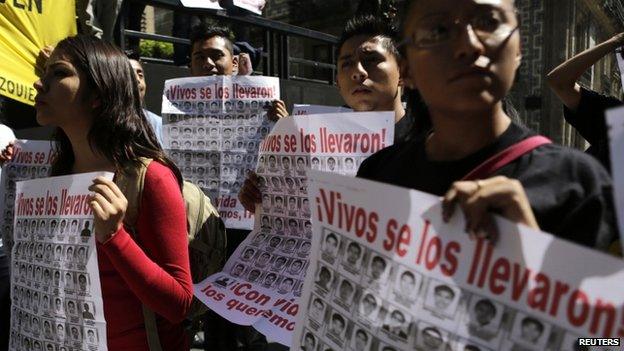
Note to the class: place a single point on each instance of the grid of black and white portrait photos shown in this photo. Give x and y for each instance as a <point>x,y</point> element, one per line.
<point>216,142</point>
<point>12,173</point>
<point>345,165</point>
<point>363,300</point>
<point>52,304</point>
<point>276,257</point>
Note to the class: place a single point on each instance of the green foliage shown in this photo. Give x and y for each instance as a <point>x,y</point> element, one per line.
<point>156,49</point>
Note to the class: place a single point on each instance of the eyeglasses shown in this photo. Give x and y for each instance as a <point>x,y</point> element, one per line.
<point>491,25</point>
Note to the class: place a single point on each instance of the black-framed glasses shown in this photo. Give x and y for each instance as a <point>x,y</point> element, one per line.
<point>491,25</point>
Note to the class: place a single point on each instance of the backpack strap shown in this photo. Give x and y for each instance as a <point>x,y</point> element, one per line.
<point>506,157</point>
<point>131,182</point>
<point>151,329</point>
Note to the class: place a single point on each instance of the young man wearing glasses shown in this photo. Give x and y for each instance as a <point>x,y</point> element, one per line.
<point>462,55</point>
<point>583,108</point>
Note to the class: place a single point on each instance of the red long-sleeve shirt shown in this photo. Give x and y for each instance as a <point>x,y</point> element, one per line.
<point>155,271</point>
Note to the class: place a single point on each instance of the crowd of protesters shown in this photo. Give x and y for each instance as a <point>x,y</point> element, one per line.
<point>453,61</point>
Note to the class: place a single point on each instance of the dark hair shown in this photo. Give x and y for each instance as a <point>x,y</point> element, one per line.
<point>440,288</point>
<point>399,313</point>
<point>310,335</point>
<point>486,303</point>
<point>203,32</point>
<point>133,55</point>
<point>409,274</point>
<point>531,320</point>
<point>355,245</point>
<point>337,317</point>
<point>379,259</point>
<point>374,27</point>
<point>120,131</point>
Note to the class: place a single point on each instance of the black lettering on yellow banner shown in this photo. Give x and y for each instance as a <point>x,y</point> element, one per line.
<point>26,5</point>
<point>13,88</point>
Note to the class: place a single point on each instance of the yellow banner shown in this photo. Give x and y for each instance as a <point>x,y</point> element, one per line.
<point>26,26</point>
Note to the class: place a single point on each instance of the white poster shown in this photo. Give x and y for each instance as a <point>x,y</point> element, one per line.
<point>32,159</point>
<point>619,53</point>
<point>615,121</point>
<point>202,4</point>
<point>55,281</point>
<point>255,6</point>
<point>304,109</point>
<point>388,274</point>
<point>212,129</point>
<point>261,283</point>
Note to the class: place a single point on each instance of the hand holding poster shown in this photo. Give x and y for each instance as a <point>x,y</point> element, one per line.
<point>261,282</point>
<point>25,28</point>
<point>212,132</point>
<point>55,290</point>
<point>390,275</point>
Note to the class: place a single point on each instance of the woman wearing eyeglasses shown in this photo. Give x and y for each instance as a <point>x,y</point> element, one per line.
<point>462,56</point>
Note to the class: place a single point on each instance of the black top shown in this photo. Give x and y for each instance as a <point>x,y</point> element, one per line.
<point>403,129</point>
<point>589,120</point>
<point>569,192</point>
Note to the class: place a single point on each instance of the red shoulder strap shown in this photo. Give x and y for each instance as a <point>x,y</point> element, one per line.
<point>506,156</point>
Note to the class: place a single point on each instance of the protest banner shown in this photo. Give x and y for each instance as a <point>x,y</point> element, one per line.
<point>615,123</point>
<point>261,283</point>
<point>255,6</point>
<point>212,131</point>
<point>25,28</point>
<point>305,109</point>
<point>388,274</point>
<point>202,4</point>
<point>32,159</point>
<point>55,282</point>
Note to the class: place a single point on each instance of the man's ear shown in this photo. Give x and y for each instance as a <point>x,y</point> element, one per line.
<point>518,59</point>
<point>519,55</point>
<point>235,61</point>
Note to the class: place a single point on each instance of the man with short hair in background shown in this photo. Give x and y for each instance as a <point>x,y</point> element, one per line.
<point>212,54</point>
<point>368,78</point>
<point>154,119</point>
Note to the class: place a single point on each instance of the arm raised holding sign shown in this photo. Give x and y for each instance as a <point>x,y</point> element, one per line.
<point>584,108</point>
<point>563,79</point>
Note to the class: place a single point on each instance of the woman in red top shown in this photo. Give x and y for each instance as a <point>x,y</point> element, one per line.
<point>90,93</point>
